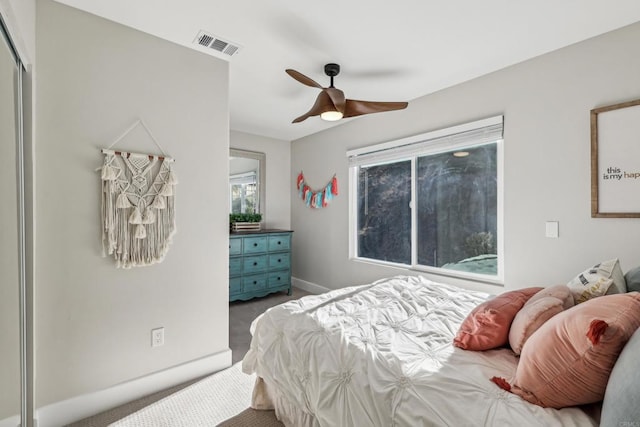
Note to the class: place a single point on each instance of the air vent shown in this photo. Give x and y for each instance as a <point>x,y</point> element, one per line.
<point>216,44</point>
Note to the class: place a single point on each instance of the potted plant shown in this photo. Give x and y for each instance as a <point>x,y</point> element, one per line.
<point>244,221</point>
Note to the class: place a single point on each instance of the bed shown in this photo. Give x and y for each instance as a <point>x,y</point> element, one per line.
<point>382,355</point>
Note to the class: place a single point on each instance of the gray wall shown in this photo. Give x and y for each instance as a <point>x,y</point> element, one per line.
<point>93,321</point>
<point>278,167</point>
<point>546,103</point>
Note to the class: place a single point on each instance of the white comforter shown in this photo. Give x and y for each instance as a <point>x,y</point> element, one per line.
<point>381,355</point>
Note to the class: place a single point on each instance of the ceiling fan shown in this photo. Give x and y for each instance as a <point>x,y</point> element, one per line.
<point>331,104</point>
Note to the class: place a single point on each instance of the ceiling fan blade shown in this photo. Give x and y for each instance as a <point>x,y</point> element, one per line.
<point>355,108</point>
<point>337,97</point>
<point>322,101</point>
<point>302,78</point>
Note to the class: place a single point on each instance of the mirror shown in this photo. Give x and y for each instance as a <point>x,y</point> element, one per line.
<point>246,181</point>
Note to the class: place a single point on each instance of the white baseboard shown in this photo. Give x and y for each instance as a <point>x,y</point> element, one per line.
<point>308,286</point>
<point>79,407</point>
<point>11,421</point>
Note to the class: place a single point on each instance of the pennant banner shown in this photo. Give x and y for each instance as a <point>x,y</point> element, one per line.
<point>317,199</point>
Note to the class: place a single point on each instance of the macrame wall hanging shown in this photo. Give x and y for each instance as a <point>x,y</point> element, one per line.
<point>138,205</point>
<point>317,198</point>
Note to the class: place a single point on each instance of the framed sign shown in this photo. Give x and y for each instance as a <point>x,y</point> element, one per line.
<point>615,161</point>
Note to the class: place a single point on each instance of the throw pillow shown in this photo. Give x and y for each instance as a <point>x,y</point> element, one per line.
<point>540,308</point>
<point>619,285</point>
<point>487,326</point>
<point>621,399</point>
<point>597,281</point>
<point>567,362</point>
<point>633,279</point>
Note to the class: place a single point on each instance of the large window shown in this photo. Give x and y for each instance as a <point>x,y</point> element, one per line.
<point>432,201</point>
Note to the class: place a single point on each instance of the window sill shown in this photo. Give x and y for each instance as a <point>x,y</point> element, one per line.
<point>478,278</point>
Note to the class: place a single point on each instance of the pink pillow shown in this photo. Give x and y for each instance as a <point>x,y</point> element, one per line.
<point>568,360</point>
<point>487,326</point>
<point>540,308</point>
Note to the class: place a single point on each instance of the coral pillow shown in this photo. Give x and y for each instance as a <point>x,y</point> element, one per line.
<point>567,362</point>
<point>540,308</point>
<point>487,326</point>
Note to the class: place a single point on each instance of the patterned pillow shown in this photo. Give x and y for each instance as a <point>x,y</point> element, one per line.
<point>601,279</point>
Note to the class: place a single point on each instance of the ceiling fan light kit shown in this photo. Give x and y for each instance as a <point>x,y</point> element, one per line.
<point>331,104</point>
<point>331,116</point>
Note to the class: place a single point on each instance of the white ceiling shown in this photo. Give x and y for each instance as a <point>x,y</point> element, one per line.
<point>388,50</point>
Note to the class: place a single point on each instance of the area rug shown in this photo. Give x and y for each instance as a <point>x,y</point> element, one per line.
<point>225,395</point>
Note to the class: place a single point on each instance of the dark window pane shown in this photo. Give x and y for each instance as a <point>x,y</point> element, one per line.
<point>384,217</point>
<point>457,210</point>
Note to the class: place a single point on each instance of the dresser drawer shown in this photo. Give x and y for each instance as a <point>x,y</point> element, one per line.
<point>254,264</point>
<point>235,285</point>
<point>278,278</point>
<point>277,261</point>
<point>279,242</point>
<point>254,282</point>
<point>254,245</point>
<point>235,246</point>
<point>235,266</point>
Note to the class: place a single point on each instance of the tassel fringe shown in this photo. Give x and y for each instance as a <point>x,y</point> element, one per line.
<point>123,201</point>
<point>108,173</point>
<point>135,217</point>
<point>502,383</point>
<point>596,329</point>
<point>166,190</point>
<point>172,180</point>
<point>158,202</point>
<point>317,199</point>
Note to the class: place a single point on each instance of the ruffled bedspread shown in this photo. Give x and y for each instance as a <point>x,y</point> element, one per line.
<point>381,355</point>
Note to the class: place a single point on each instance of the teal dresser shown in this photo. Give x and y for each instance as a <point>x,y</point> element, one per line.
<point>259,263</point>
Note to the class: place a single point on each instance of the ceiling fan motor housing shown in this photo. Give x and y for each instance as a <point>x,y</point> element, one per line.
<point>332,70</point>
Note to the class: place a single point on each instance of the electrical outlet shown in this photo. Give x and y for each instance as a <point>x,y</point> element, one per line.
<point>157,337</point>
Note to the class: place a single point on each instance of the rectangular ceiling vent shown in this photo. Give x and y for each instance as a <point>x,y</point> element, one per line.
<point>226,48</point>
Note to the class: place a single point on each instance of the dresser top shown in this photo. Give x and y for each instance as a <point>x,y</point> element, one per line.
<point>264,231</point>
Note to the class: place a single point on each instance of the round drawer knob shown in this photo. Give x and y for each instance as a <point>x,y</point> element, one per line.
<point>255,282</point>
<point>255,244</point>
<point>279,260</point>
<point>255,263</point>
<point>278,242</point>
<point>278,279</point>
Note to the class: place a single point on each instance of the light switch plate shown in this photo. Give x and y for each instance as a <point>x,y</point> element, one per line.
<point>552,228</point>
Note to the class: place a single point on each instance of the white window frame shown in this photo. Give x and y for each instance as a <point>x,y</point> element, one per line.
<point>472,134</point>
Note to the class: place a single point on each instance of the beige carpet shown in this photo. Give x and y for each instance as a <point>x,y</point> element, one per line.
<point>225,395</point>
<point>252,418</point>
